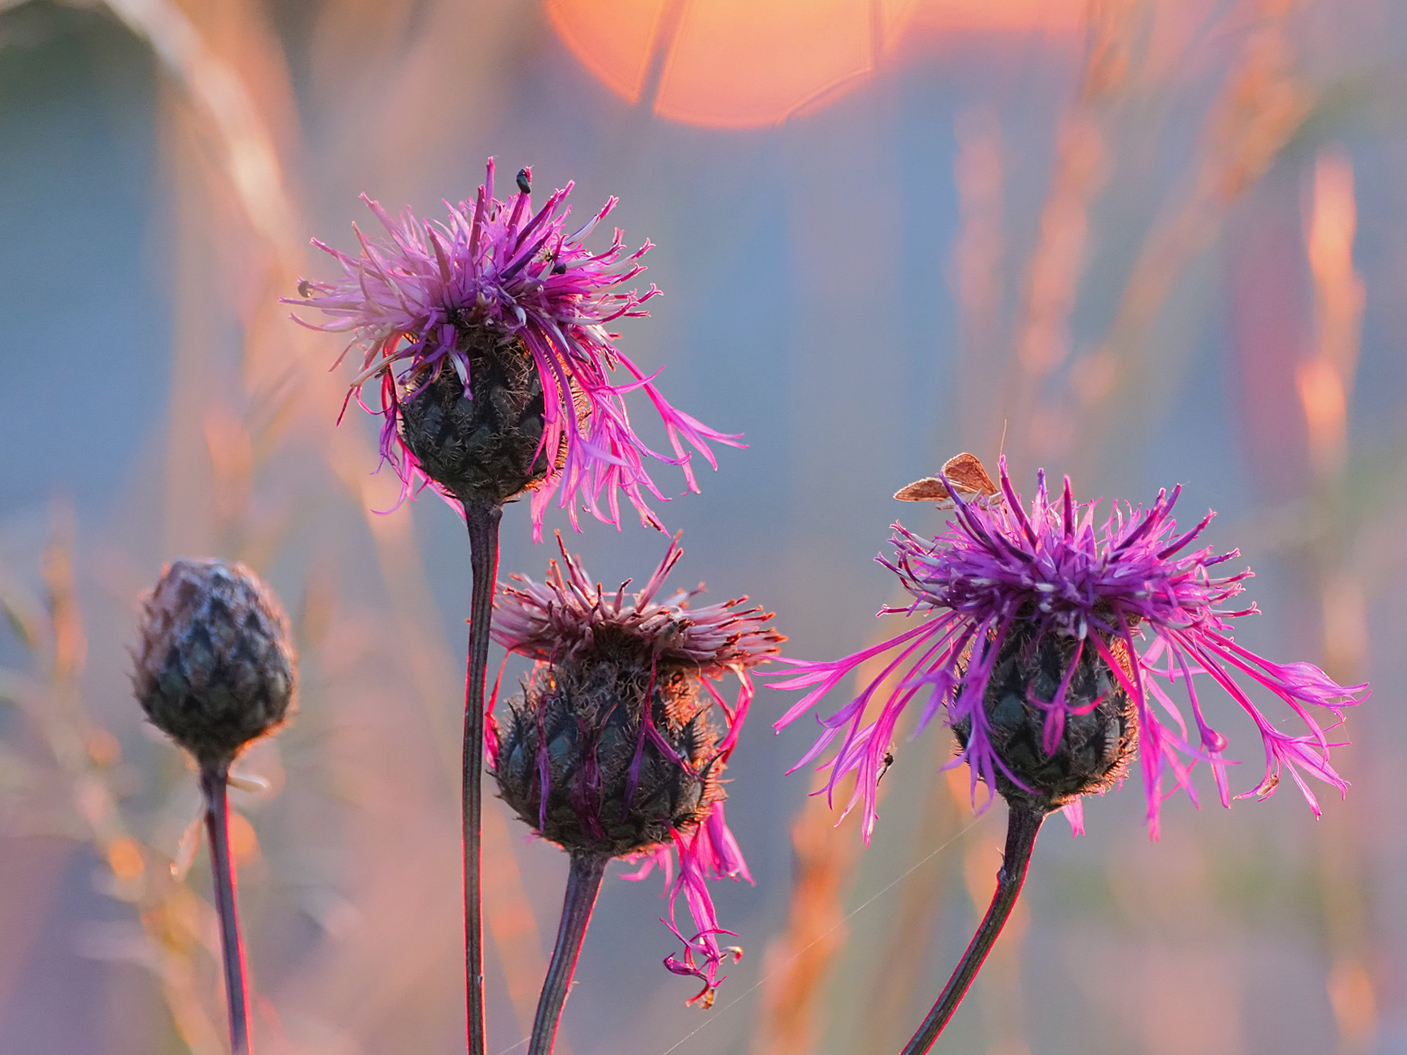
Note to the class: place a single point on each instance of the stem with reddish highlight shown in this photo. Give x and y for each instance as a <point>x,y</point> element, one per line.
<point>213,787</point>
<point>583,882</point>
<point>482,518</point>
<point>1023,824</point>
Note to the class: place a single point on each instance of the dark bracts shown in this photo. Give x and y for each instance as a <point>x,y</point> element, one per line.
<point>617,780</point>
<point>215,666</point>
<point>1098,734</point>
<point>484,448</point>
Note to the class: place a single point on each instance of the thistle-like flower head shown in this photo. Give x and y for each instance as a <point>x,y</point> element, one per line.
<point>613,748</point>
<point>1058,644</point>
<point>487,335</point>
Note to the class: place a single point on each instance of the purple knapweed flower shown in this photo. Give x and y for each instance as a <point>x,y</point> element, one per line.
<point>487,334</point>
<point>1027,639</point>
<point>612,749</point>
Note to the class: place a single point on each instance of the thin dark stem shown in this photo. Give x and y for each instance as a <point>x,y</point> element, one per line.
<point>1022,826</point>
<point>583,882</point>
<point>213,789</point>
<point>482,518</point>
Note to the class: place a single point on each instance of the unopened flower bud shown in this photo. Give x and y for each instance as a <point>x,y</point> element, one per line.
<point>216,666</point>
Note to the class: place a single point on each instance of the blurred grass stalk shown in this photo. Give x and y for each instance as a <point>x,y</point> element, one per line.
<point>1300,379</point>
<point>227,115</point>
<point>1324,380</point>
<point>797,963</point>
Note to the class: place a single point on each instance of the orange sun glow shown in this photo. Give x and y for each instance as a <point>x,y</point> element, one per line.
<point>744,63</point>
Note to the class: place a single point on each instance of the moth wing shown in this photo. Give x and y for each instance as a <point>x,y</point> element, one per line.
<point>964,472</point>
<point>929,489</point>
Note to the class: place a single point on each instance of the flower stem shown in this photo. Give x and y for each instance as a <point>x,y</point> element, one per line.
<point>1022,826</point>
<point>482,518</point>
<point>213,788</point>
<point>583,882</point>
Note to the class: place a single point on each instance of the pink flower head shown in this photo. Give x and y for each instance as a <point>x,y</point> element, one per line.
<point>997,574</point>
<point>611,749</point>
<point>498,268</point>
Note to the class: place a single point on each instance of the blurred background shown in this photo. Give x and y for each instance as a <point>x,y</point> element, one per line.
<point>1141,243</point>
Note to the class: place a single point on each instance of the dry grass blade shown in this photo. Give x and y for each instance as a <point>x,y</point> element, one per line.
<point>797,964</point>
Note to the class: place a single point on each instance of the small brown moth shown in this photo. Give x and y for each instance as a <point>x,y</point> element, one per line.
<point>966,475</point>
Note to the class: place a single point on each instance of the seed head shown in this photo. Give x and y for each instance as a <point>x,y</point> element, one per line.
<point>216,666</point>
<point>615,746</point>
